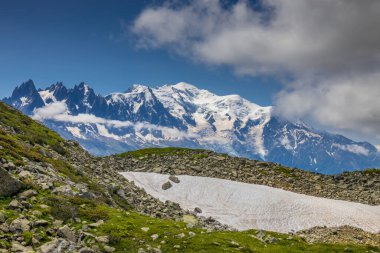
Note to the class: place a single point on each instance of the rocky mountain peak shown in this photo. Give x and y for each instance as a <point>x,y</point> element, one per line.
<point>183,115</point>
<point>25,97</point>
<point>138,88</point>
<point>25,89</point>
<point>83,89</point>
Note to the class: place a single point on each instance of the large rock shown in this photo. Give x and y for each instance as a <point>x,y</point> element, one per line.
<point>174,179</point>
<point>17,247</point>
<point>27,194</point>
<point>67,233</point>
<point>20,225</point>
<point>166,185</point>
<point>49,247</point>
<point>9,185</point>
<point>14,205</point>
<point>86,250</point>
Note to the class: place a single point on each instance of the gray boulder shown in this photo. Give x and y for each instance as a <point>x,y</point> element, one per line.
<point>67,233</point>
<point>55,246</point>
<point>174,179</point>
<point>166,185</point>
<point>9,185</point>
<point>20,225</point>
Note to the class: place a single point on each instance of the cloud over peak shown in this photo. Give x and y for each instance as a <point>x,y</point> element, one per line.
<point>292,35</point>
<point>331,50</point>
<point>59,112</point>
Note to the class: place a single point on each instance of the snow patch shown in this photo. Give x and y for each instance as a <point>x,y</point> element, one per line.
<point>24,101</point>
<point>86,89</point>
<point>76,132</point>
<point>47,95</point>
<point>286,143</point>
<point>103,131</point>
<point>247,206</point>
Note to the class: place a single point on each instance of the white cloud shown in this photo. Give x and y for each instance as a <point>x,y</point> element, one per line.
<point>330,49</point>
<point>346,103</point>
<point>356,149</point>
<point>291,35</point>
<point>50,111</point>
<point>58,111</point>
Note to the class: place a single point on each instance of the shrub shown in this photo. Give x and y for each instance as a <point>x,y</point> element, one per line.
<point>27,237</point>
<point>62,209</point>
<point>59,149</point>
<point>95,214</point>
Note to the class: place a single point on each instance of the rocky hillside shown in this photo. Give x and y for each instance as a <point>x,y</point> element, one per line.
<point>361,186</point>
<point>55,197</point>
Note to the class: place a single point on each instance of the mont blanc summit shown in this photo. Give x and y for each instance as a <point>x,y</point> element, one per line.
<point>185,116</point>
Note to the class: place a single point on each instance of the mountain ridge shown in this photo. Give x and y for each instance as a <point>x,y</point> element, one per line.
<point>183,115</point>
<point>71,201</point>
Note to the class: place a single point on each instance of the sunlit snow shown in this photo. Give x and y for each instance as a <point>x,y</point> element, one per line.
<point>246,206</point>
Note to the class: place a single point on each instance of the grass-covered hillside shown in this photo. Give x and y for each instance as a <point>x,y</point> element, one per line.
<point>55,197</point>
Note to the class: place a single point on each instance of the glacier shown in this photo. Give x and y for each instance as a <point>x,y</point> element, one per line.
<point>185,116</point>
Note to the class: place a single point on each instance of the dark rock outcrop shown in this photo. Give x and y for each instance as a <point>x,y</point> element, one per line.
<point>9,185</point>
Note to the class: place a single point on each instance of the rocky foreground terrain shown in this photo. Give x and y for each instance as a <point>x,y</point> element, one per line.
<point>55,197</point>
<point>361,186</point>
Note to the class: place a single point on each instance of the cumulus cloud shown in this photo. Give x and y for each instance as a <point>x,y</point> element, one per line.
<point>58,111</point>
<point>346,103</point>
<point>330,49</point>
<point>289,35</point>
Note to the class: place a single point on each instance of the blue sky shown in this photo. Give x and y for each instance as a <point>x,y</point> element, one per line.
<point>318,61</point>
<point>73,41</point>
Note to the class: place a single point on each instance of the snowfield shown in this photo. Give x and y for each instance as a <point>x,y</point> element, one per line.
<point>247,206</point>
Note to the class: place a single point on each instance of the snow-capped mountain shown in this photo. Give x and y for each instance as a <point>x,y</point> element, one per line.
<point>183,115</point>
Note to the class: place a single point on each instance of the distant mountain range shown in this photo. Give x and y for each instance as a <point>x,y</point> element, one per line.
<point>185,116</point>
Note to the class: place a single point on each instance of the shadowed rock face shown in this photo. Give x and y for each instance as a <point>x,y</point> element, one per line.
<point>25,97</point>
<point>9,185</point>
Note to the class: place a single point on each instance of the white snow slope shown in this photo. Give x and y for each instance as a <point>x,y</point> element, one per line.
<point>249,206</point>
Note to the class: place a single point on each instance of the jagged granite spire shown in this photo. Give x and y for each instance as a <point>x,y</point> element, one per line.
<point>25,97</point>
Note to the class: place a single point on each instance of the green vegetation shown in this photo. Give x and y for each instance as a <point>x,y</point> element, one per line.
<point>27,131</point>
<point>372,171</point>
<point>200,156</point>
<point>125,231</point>
<point>28,141</point>
<point>285,170</point>
<point>4,202</point>
<point>27,237</point>
<point>159,151</point>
